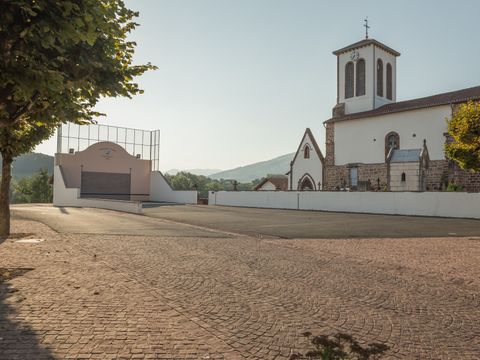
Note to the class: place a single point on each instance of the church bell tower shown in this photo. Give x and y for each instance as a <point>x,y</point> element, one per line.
<point>366,76</point>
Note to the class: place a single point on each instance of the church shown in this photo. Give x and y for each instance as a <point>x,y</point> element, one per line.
<point>373,142</point>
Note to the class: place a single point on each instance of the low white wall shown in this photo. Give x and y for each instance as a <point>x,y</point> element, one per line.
<point>63,196</point>
<point>160,190</point>
<point>443,204</point>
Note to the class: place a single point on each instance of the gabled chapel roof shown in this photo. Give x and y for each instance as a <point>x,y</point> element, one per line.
<point>453,97</point>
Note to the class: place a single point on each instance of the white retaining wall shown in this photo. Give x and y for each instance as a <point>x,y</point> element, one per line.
<point>63,196</point>
<point>160,190</point>
<point>442,204</point>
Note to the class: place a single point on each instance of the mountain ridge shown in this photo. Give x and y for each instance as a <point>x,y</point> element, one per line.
<point>28,164</point>
<point>258,170</point>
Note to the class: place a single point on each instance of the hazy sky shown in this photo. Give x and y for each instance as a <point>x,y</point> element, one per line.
<point>240,80</point>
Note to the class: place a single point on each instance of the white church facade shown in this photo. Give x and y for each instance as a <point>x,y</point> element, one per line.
<point>374,142</point>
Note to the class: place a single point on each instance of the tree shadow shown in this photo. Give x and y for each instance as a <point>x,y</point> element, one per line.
<point>17,339</point>
<point>340,346</point>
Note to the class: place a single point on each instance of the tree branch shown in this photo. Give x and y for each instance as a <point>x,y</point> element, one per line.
<point>20,112</point>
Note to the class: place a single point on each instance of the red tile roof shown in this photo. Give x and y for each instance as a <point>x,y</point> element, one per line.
<point>453,97</point>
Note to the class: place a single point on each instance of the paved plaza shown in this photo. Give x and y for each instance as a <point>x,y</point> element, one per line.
<point>224,283</point>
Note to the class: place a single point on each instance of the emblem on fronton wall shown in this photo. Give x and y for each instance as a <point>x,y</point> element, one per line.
<point>107,153</point>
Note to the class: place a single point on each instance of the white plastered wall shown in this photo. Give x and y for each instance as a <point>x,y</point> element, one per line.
<point>311,166</point>
<point>161,191</point>
<point>444,204</point>
<point>363,140</point>
<point>386,58</point>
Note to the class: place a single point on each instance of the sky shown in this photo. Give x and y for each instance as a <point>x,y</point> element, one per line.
<point>238,81</point>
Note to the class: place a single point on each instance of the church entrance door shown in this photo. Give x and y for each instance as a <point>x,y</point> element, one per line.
<point>353,177</point>
<point>306,184</point>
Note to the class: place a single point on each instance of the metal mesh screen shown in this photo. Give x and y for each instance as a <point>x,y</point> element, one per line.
<point>142,143</point>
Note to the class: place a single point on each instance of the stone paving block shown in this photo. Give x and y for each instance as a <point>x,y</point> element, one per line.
<point>236,297</point>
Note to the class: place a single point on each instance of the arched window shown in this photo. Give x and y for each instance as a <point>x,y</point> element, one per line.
<point>306,152</point>
<point>392,141</point>
<point>380,77</point>
<point>349,74</point>
<point>360,89</point>
<point>404,177</point>
<point>389,82</point>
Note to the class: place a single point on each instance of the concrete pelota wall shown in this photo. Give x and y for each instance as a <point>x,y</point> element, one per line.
<point>106,157</point>
<point>160,190</point>
<point>442,204</point>
<point>63,196</point>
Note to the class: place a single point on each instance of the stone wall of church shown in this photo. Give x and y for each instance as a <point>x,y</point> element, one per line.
<point>375,173</point>
<point>330,144</point>
<point>468,180</point>
<point>337,177</point>
<point>437,175</point>
<point>442,172</point>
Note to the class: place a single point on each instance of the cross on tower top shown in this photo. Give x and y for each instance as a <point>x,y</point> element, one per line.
<point>366,27</point>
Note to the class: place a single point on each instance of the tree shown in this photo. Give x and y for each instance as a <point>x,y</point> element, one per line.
<point>58,58</point>
<point>464,130</point>
<point>34,189</point>
<point>14,141</point>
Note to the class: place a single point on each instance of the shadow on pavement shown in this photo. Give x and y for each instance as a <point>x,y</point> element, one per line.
<point>17,339</point>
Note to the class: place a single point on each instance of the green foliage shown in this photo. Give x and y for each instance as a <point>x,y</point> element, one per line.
<point>464,129</point>
<point>60,57</point>
<point>22,138</point>
<point>35,189</point>
<point>187,181</point>
<point>454,187</point>
<point>339,346</point>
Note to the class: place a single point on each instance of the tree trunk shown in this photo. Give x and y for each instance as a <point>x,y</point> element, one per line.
<point>5,195</point>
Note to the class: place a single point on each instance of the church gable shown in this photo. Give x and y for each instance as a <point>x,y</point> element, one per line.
<point>306,168</point>
<point>307,145</point>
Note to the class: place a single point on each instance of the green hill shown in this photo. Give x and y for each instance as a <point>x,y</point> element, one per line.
<point>28,164</point>
<point>278,165</point>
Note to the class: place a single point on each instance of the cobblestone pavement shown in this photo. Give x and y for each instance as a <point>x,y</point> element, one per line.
<point>146,297</point>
